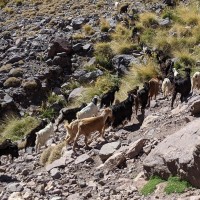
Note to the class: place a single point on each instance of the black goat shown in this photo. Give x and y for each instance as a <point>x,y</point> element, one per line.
<point>31,137</point>
<point>9,148</point>
<point>122,111</point>
<point>182,86</point>
<point>68,114</point>
<point>108,98</point>
<point>124,9</point>
<point>142,98</point>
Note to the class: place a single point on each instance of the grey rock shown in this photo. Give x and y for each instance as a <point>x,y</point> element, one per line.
<point>164,22</point>
<point>78,22</point>
<point>83,158</point>
<point>25,172</point>
<point>14,59</point>
<point>108,149</point>
<point>56,198</point>
<point>76,93</point>
<point>77,47</point>
<point>177,155</point>
<point>14,187</point>
<point>55,173</point>
<point>90,76</point>
<point>75,196</point>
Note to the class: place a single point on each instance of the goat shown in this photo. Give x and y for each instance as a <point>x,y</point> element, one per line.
<point>196,81</point>
<point>153,88</point>
<point>133,91</point>
<point>182,86</point>
<point>31,137</point>
<point>108,98</point>
<point>142,98</point>
<point>43,136</point>
<point>124,9</point>
<point>71,129</point>
<point>166,87</point>
<point>88,125</point>
<point>9,148</point>
<point>122,111</point>
<point>68,114</point>
<point>116,5</point>
<point>90,110</point>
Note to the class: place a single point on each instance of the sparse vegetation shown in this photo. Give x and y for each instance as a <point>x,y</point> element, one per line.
<point>3,3</point>
<point>16,128</point>
<point>176,185</point>
<point>47,113</point>
<point>150,187</point>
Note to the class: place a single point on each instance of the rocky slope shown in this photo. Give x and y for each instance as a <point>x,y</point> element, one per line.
<point>39,53</point>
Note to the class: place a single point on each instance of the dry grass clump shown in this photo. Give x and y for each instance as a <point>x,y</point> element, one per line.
<point>104,25</point>
<point>104,54</point>
<point>148,19</point>
<point>146,71</point>
<point>88,29</point>
<point>45,155</point>
<point>12,82</point>
<point>123,47</point>
<point>51,154</point>
<point>8,10</point>
<point>78,36</point>
<point>5,68</point>
<point>121,33</point>
<point>3,3</point>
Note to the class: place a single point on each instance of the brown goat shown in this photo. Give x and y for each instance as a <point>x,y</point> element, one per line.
<point>153,89</point>
<point>71,129</point>
<point>88,125</point>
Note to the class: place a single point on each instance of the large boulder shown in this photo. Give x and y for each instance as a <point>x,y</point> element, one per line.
<point>177,155</point>
<point>59,45</point>
<point>122,62</point>
<point>108,149</point>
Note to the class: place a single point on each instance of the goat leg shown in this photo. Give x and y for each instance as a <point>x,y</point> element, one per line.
<point>173,98</point>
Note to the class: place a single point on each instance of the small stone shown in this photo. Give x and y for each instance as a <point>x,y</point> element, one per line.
<point>55,173</point>
<point>83,158</point>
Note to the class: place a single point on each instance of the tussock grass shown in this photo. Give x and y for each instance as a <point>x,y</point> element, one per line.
<point>104,54</point>
<point>121,33</point>
<point>176,185</point>
<point>186,58</point>
<point>146,71</point>
<point>53,98</point>
<point>148,19</point>
<point>122,47</point>
<point>45,156</point>
<point>88,29</point>
<point>102,84</point>
<point>56,152</point>
<point>150,187</point>
<point>16,128</point>
<point>78,36</point>
<point>104,25</point>
<point>51,154</point>
<point>3,3</point>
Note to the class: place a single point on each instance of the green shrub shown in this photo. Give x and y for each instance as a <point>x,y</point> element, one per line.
<point>53,98</point>
<point>175,185</point>
<point>49,113</point>
<point>16,128</point>
<point>151,185</point>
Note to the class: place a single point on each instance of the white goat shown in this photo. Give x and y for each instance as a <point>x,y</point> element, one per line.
<point>90,110</point>
<point>196,81</point>
<point>116,5</point>
<point>166,87</point>
<point>43,135</point>
<point>175,72</point>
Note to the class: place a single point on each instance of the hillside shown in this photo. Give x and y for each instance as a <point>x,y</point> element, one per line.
<point>57,54</point>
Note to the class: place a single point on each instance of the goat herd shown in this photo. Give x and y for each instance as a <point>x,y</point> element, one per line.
<point>87,119</point>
